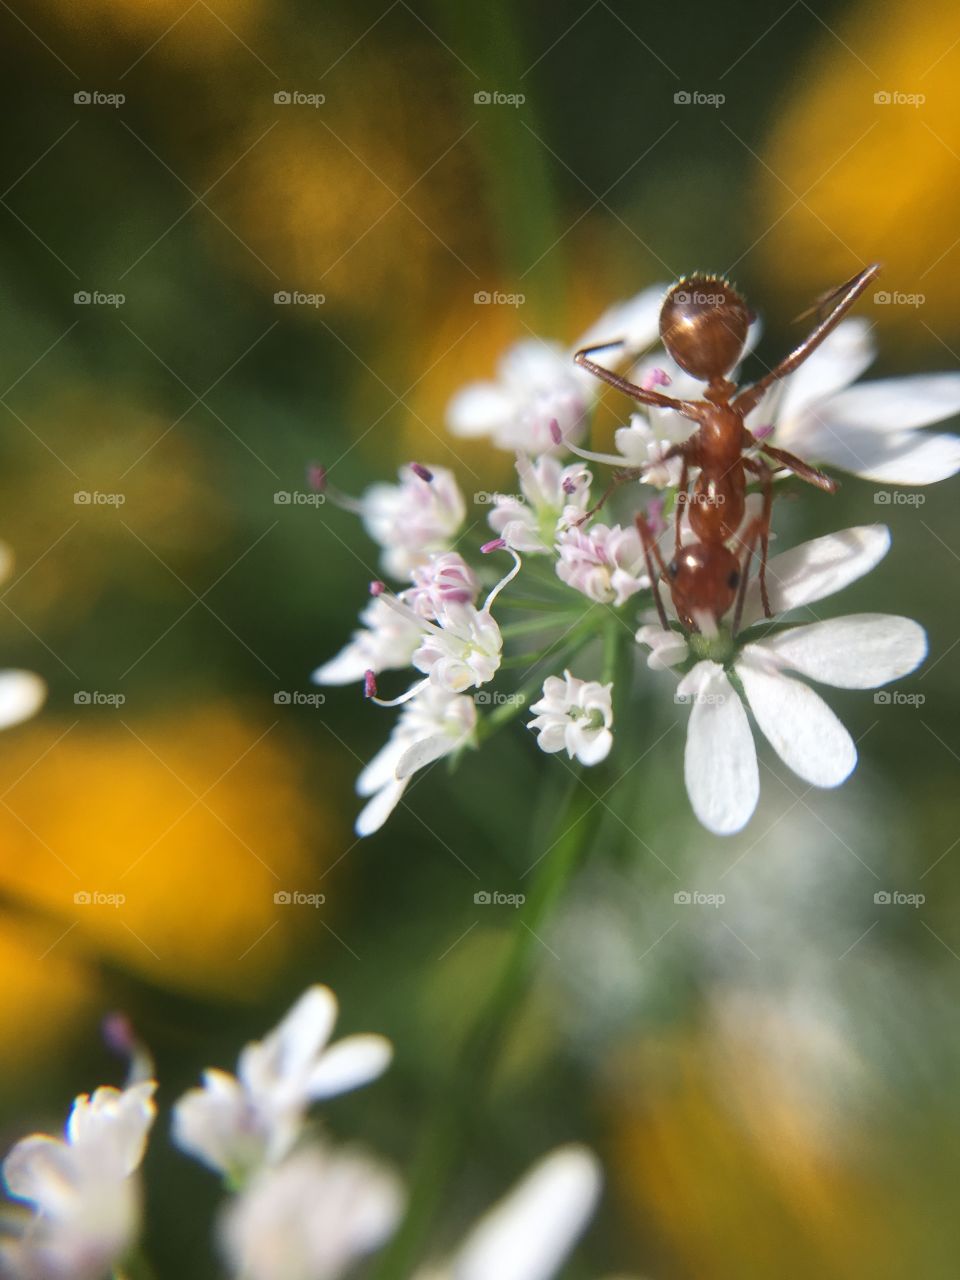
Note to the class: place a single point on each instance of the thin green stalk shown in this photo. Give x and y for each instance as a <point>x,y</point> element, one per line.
<point>465,1091</point>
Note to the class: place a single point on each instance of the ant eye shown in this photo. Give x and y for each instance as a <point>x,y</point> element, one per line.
<point>672,569</point>
<point>734,579</point>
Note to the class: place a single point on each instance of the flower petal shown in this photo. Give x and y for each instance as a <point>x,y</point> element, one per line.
<point>378,809</point>
<point>887,457</point>
<point>720,761</point>
<point>817,569</point>
<point>423,753</point>
<point>479,408</point>
<point>529,1233</point>
<point>859,651</point>
<point>838,361</point>
<point>896,404</point>
<point>21,695</point>
<point>348,1064</point>
<point>798,724</point>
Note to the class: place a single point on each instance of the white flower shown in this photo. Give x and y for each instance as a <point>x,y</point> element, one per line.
<point>386,642</point>
<point>538,383</point>
<point>84,1191</point>
<point>871,429</point>
<point>446,578</point>
<point>551,493</point>
<point>432,724</point>
<point>234,1124</point>
<point>529,1234</point>
<point>574,716</point>
<point>462,650</point>
<point>423,513</point>
<point>860,651</point>
<point>606,564</point>
<point>22,693</point>
<point>311,1217</point>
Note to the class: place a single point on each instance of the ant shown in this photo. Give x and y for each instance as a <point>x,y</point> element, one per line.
<point>703,325</point>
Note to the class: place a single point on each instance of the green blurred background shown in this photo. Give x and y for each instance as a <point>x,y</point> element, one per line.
<point>773,1087</point>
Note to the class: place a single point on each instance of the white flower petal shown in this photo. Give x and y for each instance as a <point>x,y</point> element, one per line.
<point>40,1169</point>
<point>592,747</point>
<point>377,810</point>
<point>479,408</point>
<point>382,769</point>
<point>900,458</point>
<point>817,569</point>
<point>21,695</point>
<point>423,753</point>
<point>528,1234</point>
<point>667,648</point>
<point>720,761</point>
<point>859,651</point>
<point>837,362</point>
<point>798,724</point>
<point>348,1064</point>
<point>287,1052</point>
<point>896,404</point>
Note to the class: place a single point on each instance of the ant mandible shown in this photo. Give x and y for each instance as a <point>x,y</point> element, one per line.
<point>703,325</point>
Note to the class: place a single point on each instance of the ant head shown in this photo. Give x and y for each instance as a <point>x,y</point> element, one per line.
<point>703,324</point>
<point>703,581</point>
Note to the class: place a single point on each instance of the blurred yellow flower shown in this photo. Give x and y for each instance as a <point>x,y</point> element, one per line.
<point>864,165</point>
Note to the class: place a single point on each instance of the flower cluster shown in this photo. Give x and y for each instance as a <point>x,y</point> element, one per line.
<point>588,583</point>
<point>299,1206</point>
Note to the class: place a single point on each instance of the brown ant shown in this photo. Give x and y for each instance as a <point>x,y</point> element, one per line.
<point>703,325</point>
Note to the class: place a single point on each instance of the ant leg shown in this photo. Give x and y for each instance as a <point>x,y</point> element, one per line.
<point>688,408</point>
<point>619,478</point>
<point>682,496</point>
<point>800,468</point>
<point>765,475</point>
<point>750,543</point>
<point>846,296</point>
<point>651,551</point>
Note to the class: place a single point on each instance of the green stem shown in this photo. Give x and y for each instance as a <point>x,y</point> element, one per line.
<point>473,1065</point>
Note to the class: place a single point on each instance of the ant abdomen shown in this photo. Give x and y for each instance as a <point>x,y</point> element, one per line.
<point>716,506</point>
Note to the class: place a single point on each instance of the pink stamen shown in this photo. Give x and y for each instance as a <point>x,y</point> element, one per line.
<point>317,477</point>
<point>761,433</point>
<point>569,486</point>
<point>556,435</point>
<point>655,378</point>
<point>421,471</point>
<point>496,545</point>
<point>118,1034</point>
<point>369,684</point>
<point>654,515</point>
<point>377,587</point>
